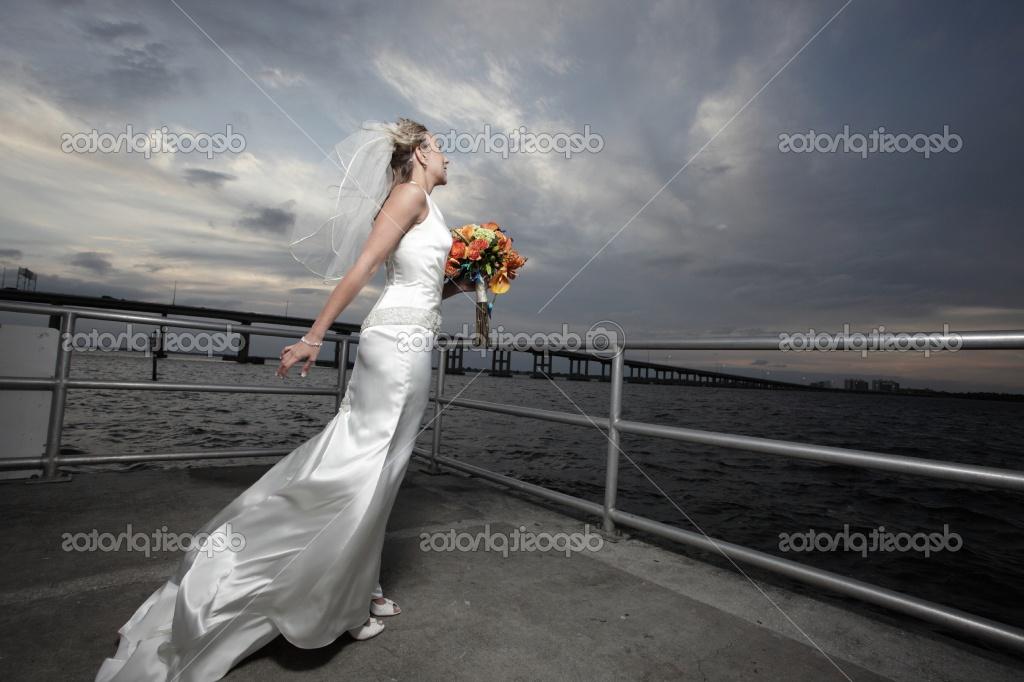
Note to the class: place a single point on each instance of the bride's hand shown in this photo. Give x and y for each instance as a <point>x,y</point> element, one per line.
<point>297,352</point>
<point>466,285</point>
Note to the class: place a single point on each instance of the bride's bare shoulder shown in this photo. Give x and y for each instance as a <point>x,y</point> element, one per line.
<point>409,200</point>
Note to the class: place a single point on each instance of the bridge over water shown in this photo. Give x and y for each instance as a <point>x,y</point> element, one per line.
<point>580,366</point>
<point>593,367</point>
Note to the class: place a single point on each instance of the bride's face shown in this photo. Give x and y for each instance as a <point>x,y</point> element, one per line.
<point>437,163</point>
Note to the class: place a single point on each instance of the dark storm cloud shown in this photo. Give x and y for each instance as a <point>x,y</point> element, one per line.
<point>91,260</point>
<point>224,255</point>
<point>201,176</point>
<point>110,30</point>
<point>14,254</point>
<point>150,267</point>
<point>142,71</point>
<point>276,221</point>
<point>669,260</point>
<point>272,259</point>
<point>754,270</point>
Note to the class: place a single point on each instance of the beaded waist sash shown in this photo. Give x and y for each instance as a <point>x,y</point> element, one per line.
<point>430,319</point>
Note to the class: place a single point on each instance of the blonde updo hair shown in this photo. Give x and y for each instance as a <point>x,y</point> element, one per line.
<point>407,135</point>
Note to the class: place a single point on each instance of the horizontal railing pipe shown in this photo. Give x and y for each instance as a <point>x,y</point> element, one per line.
<point>965,473</point>
<point>829,342</point>
<point>836,342</point>
<point>954,619</point>
<point>532,412</point>
<point>934,468</point>
<point>540,491</point>
<point>47,383</point>
<point>159,321</point>
<point>131,458</point>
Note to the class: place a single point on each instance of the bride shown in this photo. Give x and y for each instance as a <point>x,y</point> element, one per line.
<point>299,552</point>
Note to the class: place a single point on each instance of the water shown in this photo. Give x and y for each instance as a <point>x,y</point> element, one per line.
<point>743,497</point>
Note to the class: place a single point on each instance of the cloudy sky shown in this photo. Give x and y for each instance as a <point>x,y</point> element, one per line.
<point>743,238</point>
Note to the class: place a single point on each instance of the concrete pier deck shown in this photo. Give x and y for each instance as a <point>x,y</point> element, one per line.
<point>630,610</point>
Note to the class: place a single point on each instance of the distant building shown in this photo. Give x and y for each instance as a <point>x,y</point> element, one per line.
<point>884,385</point>
<point>827,383</point>
<point>855,385</point>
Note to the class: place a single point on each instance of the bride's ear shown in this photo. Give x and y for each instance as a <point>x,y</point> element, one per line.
<point>421,156</point>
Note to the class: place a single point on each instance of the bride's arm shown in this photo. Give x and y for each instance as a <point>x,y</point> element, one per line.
<point>398,214</point>
<point>404,206</point>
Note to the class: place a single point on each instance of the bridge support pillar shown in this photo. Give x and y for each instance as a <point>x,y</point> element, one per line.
<point>501,363</point>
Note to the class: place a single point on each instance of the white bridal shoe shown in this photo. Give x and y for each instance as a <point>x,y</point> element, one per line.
<point>388,608</point>
<point>371,628</point>
<point>374,626</point>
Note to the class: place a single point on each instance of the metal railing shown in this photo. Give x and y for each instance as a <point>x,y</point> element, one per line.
<point>61,382</point>
<point>955,620</point>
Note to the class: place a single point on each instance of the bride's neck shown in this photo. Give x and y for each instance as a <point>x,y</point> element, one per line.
<point>420,178</point>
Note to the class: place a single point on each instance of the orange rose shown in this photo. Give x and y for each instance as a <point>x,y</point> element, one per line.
<point>458,249</point>
<point>476,249</point>
<point>451,268</point>
<point>466,232</point>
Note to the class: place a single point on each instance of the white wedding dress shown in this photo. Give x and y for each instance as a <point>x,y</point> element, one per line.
<point>313,525</point>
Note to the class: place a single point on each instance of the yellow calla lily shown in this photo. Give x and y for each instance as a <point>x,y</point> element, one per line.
<point>499,282</point>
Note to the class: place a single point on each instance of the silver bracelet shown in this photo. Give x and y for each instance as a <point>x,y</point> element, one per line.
<point>315,345</point>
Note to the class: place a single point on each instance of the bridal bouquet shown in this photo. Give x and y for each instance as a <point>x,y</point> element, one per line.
<point>483,254</point>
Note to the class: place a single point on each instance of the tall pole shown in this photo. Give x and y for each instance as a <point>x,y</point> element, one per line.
<point>611,481</point>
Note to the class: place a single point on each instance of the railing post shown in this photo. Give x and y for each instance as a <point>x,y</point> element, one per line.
<point>611,483</point>
<point>435,445</point>
<point>58,399</point>
<point>341,359</point>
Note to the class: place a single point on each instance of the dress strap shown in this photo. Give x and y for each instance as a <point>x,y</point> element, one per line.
<point>413,182</point>
<point>430,202</point>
